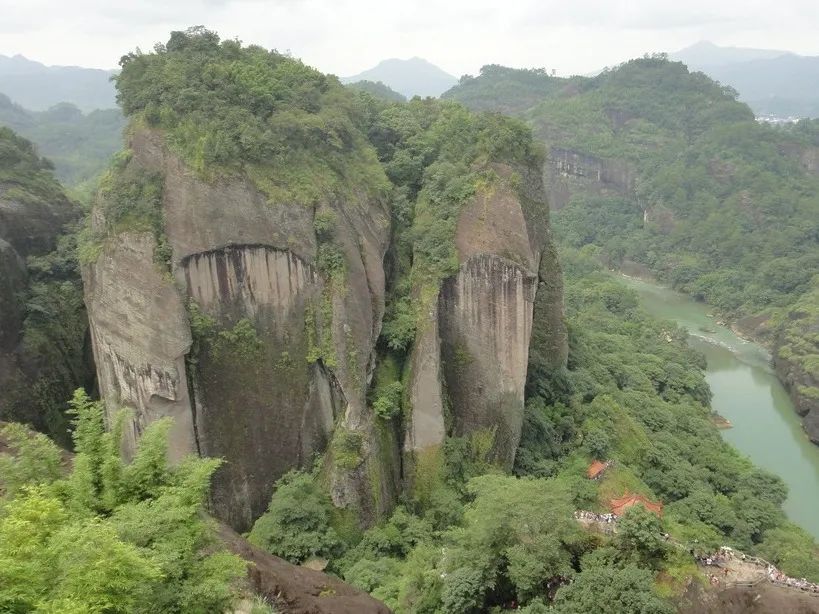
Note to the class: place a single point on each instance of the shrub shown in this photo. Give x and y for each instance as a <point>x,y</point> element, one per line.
<point>297,523</point>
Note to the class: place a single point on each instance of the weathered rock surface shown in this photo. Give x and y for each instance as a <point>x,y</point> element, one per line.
<point>797,380</point>
<point>426,429</point>
<point>482,321</point>
<point>486,324</point>
<point>298,590</point>
<point>250,386</point>
<point>139,328</point>
<point>32,228</point>
<point>569,171</point>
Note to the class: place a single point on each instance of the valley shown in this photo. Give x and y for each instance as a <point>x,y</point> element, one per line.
<point>764,425</point>
<point>307,346</point>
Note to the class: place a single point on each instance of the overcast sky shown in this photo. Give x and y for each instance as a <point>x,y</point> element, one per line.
<point>346,36</point>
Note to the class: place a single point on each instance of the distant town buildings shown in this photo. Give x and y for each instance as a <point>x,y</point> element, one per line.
<point>773,119</point>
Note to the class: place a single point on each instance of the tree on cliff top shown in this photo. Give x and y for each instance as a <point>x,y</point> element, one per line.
<point>227,109</point>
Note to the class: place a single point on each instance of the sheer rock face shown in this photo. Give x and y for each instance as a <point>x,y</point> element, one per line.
<point>262,402</point>
<point>486,324</point>
<point>140,334</point>
<point>473,351</point>
<point>262,359</point>
<point>570,171</point>
<point>32,228</point>
<point>267,411</point>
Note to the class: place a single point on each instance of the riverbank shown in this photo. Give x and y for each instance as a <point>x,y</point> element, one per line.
<point>747,393</point>
<point>755,329</point>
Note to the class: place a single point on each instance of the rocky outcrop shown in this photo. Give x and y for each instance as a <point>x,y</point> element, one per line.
<point>257,333</point>
<point>297,590</point>
<point>568,171</point>
<point>257,401</point>
<point>799,382</point>
<point>807,156</point>
<point>31,225</point>
<point>469,363</point>
<point>486,324</point>
<point>275,351</point>
<point>28,227</point>
<point>139,328</point>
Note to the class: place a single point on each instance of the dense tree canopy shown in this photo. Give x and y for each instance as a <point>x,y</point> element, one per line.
<point>227,108</point>
<point>109,536</point>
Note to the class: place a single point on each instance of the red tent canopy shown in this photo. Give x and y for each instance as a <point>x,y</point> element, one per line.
<point>619,506</point>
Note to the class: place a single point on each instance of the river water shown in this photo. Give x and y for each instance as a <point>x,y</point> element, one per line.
<point>765,426</point>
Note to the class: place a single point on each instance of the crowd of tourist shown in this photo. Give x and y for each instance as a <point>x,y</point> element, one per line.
<point>722,559</point>
<point>725,556</point>
<point>777,577</point>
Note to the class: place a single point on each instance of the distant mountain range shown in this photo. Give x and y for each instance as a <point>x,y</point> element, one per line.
<point>38,87</point>
<point>771,82</point>
<point>413,77</point>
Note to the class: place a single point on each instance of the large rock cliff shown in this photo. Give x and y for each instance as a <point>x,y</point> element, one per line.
<point>240,283</point>
<point>30,224</point>
<point>469,363</point>
<point>274,351</point>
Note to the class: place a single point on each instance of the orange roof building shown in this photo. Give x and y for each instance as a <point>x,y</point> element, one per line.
<point>596,469</point>
<point>619,506</point>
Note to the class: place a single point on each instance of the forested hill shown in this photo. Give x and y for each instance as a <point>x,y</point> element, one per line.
<point>364,301</point>
<point>509,90</point>
<point>663,167</point>
<point>79,144</point>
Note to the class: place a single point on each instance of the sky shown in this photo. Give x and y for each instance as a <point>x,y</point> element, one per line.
<point>344,37</point>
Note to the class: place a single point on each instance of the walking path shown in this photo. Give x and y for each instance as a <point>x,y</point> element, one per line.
<point>725,568</point>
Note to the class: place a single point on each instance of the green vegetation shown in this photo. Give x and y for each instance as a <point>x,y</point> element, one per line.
<point>50,319</point>
<point>78,144</point>
<point>472,539</point>
<point>297,525</point>
<point>227,109</point>
<point>54,335</point>
<point>130,201</point>
<point>508,90</point>
<point>109,536</point>
<point>713,203</point>
<point>114,537</point>
<point>377,89</point>
<point>26,176</point>
<point>387,391</point>
<point>437,155</point>
<point>239,344</point>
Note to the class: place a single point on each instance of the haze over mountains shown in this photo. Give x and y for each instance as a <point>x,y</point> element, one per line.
<point>38,87</point>
<point>771,82</point>
<point>413,77</point>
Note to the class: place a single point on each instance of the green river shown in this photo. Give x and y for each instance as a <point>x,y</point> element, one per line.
<point>746,392</point>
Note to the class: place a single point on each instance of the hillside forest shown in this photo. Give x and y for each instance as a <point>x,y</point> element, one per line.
<point>675,180</point>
